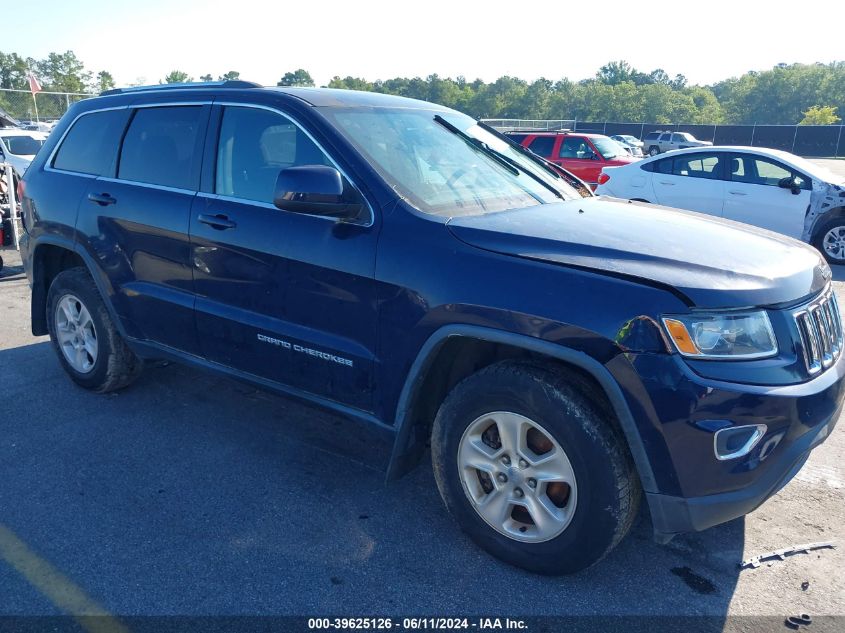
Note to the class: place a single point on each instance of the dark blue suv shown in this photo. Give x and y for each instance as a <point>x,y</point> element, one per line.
<point>398,262</point>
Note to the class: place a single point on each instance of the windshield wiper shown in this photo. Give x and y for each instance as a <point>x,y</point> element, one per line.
<point>478,145</point>
<point>549,167</point>
<point>514,167</point>
<point>558,172</point>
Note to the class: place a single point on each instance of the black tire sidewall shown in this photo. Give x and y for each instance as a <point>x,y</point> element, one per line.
<point>77,282</point>
<point>587,441</point>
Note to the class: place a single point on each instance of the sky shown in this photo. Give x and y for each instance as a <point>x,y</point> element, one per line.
<point>141,42</point>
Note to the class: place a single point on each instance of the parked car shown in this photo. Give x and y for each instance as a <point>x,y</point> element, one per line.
<point>19,147</point>
<point>656,142</point>
<point>630,143</point>
<point>399,263</point>
<point>580,153</point>
<point>768,188</point>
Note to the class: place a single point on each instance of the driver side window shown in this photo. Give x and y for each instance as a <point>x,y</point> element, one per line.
<point>254,146</point>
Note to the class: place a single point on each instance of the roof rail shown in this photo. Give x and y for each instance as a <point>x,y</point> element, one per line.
<point>230,84</point>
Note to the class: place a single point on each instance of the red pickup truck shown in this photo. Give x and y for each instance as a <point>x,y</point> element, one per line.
<point>580,153</point>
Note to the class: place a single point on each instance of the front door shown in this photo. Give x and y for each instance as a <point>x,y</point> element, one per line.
<point>577,155</point>
<point>754,196</point>
<point>284,296</point>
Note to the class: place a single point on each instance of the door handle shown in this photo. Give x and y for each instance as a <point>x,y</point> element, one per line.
<point>103,199</point>
<point>737,193</point>
<point>219,221</point>
<point>668,184</point>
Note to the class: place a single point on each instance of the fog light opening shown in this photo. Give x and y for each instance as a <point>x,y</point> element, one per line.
<point>737,441</point>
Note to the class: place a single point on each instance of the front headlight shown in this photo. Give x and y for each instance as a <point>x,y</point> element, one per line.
<point>727,335</point>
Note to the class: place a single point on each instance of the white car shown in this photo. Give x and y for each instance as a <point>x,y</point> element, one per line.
<point>19,147</point>
<point>768,188</point>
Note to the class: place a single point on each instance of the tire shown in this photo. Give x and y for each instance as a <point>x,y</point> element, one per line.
<point>653,150</point>
<point>552,412</point>
<point>86,341</point>
<point>830,240</point>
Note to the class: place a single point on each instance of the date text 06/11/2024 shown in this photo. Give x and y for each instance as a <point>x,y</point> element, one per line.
<point>414,624</point>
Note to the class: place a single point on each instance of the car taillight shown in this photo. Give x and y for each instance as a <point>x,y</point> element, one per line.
<point>603,178</point>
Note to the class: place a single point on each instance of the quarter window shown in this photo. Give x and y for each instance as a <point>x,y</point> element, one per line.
<point>255,145</point>
<point>542,146</point>
<point>160,146</point>
<point>90,146</point>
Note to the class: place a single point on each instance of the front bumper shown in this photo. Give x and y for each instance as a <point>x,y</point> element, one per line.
<point>696,491</point>
<point>673,515</point>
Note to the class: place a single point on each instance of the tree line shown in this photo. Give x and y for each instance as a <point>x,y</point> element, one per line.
<point>785,94</point>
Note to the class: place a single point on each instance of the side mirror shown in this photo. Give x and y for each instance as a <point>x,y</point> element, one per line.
<point>315,190</point>
<point>791,183</point>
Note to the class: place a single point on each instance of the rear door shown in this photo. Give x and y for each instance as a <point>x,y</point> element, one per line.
<point>691,181</point>
<point>137,220</point>
<point>284,296</point>
<point>754,197</point>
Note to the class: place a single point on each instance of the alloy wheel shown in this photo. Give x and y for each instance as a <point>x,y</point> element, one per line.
<point>76,334</point>
<point>517,477</point>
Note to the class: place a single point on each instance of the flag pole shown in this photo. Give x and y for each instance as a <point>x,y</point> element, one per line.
<point>35,103</point>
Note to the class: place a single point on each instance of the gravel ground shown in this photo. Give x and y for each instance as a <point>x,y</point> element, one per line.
<point>193,494</point>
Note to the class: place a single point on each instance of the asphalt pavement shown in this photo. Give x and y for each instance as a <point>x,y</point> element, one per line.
<point>193,494</point>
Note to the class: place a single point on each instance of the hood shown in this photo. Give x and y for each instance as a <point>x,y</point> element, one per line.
<point>714,263</point>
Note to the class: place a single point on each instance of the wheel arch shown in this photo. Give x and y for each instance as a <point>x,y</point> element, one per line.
<point>438,367</point>
<point>50,256</point>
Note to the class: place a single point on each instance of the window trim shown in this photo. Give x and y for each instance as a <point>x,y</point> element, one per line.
<point>294,121</point>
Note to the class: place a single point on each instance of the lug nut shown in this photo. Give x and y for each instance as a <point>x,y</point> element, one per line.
<point>532,483</point>
<point>506,460</point>
<point>518,492</point>
<point>502,477</point>
<point>523,463</point>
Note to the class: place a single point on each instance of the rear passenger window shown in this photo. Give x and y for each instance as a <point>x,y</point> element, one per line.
<point>160,145</point>
<point>542,146</point>
<point>255,145</point>
<point>663,166</point>
<point>697,166</point>
<point>90,146</point>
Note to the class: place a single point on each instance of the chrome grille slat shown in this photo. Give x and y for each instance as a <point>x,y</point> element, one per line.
<point>820,329</point>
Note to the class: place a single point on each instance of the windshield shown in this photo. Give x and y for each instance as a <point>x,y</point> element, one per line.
<point>607,147</point>
<point>22,145</point>
<point>439,172</point>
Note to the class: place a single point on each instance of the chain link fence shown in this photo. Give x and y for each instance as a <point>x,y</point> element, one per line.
<point>818,141</point>
<point>22,105</point>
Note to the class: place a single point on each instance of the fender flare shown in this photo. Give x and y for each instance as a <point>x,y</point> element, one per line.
<point>402,447</point>
<point>102,284</point>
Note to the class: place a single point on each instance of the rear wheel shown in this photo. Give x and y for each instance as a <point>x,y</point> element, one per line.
<point>532,469</point>
<point>87,343</point>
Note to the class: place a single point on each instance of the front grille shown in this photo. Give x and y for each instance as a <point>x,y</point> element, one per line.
<point>820,327</point>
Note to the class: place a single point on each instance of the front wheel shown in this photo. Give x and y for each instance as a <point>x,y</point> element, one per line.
<point>830,241</point>
<point>653,150</point>
<point>532,469</point>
